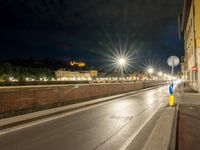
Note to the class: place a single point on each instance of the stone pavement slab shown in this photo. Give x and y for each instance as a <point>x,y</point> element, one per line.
<point>189,127</point>
<point>188,130</point>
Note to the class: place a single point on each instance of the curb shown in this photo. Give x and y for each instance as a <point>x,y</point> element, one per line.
<point>22,119</point>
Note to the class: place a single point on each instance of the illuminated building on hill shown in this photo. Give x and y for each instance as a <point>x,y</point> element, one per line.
<point>63,75</point>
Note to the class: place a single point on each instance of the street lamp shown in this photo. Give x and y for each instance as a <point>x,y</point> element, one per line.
<point>160,74</point>
<point>121,62</point>
<point>150,70</point>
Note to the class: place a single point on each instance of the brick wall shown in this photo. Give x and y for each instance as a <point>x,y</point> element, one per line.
<point>18,100</point>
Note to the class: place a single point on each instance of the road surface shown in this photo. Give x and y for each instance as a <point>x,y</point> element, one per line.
<point>110,126</point>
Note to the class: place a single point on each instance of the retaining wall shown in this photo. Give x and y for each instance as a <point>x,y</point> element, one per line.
<point>18,100</point>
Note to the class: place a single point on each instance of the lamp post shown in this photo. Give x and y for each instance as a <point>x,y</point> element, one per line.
<point>122,62</point>
<point>160,74</point>
<point>150,71</point>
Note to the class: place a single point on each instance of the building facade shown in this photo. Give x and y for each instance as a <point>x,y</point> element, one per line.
<point>184,68</point>
<point>190,27</point>
<point>75,75</point>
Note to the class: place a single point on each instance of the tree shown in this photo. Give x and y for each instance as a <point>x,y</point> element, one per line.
<point>21,79</point>
<point>5,77</point>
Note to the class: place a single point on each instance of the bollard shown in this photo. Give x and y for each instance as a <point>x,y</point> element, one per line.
<point>171,97</point>
<point>171,100</point>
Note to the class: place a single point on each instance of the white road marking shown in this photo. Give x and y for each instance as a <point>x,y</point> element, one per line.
<point>131,138</point>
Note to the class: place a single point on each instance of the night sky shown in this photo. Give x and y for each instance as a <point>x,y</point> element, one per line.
<point>90,30</point>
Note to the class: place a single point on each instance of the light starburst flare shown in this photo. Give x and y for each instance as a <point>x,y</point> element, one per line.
<point>121,61</point>
<point>150,70</point>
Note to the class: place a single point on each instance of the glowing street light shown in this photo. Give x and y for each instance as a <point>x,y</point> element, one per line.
<point>160,74</point>
<point>150,70</point>
<point>121,62</point>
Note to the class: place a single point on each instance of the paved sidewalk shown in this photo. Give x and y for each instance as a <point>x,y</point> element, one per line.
<point>189,127</point>
<point>182,132</point>
<point>189,120</point>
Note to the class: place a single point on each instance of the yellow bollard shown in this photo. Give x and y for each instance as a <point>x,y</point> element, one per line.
<point>171,100</point>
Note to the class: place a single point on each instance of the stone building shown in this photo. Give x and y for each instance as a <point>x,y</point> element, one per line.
<point>190,28</point>
<point>75,75</point>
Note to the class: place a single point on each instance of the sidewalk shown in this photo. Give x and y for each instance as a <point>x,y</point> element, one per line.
<point>188,130</point>
<point>180,129</point>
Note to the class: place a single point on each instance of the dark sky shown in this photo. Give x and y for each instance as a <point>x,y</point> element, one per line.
<point>90,29</point>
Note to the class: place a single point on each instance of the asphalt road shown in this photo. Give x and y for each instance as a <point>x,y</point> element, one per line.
<point>110,126</point>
